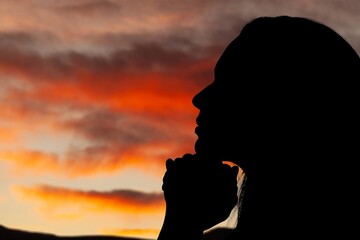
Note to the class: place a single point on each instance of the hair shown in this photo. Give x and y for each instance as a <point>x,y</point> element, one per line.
<point>304,77</point>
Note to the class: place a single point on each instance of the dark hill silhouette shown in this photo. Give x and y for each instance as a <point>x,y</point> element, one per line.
<point>17,234</point>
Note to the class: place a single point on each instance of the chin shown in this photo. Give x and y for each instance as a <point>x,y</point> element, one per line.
<point>219,150</point>
<point>208,149</point>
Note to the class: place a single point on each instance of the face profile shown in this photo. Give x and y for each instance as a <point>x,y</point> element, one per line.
<point>274,85</point>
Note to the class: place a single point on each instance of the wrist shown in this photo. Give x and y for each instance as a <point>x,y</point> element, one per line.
<point>176,226</point>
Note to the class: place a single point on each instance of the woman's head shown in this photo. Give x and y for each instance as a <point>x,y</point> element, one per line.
<point>283,106</point>
<point>284,85</point>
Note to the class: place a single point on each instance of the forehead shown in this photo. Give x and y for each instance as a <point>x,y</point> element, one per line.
<point>234,69</point>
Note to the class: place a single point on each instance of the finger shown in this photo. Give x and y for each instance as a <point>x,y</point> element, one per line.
<point>169,164</point>
<point>185,158</point>
<point>185,162</point>
<point>230,170</point>
<point>188,156</point>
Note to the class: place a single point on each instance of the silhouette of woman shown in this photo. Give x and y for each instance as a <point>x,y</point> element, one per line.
<point>283,106</point>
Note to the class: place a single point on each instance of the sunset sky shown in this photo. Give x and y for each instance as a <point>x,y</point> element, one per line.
<point>96,95</point>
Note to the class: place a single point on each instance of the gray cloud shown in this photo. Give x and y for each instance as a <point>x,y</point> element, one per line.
<point>204,25</point>
<point>138,197</point>
<point>92,8</point>
<point>120,199</point>
<point>125,130</point>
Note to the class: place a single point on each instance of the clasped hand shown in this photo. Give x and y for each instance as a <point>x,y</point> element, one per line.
<point>198,193</point>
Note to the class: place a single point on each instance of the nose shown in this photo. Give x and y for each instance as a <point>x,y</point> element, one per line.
<point>201,97</point>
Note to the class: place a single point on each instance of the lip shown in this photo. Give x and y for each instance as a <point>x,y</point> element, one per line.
<point>197,120</point>
<point>200,131</point>
<point>197,129</point>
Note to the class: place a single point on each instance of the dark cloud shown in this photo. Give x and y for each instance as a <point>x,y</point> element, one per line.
<point>122,200</point>
<point>133,196</point>
<point>215,26</point>
<point>114,135</point>
<point>92,8</point>
<point>32,65</point>
<point>128,195</point>
<point>140,57</point>
<point>16,38</point>
<point>125,130</point>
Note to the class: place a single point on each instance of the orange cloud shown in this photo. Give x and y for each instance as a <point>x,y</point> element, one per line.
<point>151,95</point>
<point>87,162</point>
<point>71,203</point>
<point>116,146</point>
<point>31,159</point>
<point>8,135</point>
